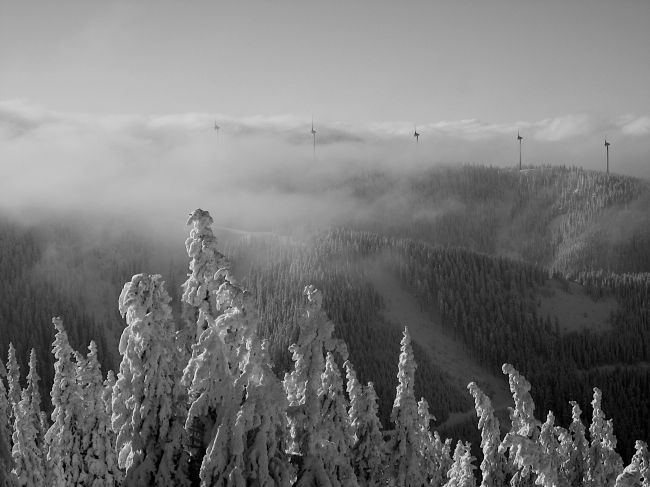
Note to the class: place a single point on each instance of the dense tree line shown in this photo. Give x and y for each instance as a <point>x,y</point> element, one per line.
<point>281,268</point>
<point>565,219</point>
<point>490,304</point>
<point>197,403</point>
<point>75,270</point>
<point>28,301</point>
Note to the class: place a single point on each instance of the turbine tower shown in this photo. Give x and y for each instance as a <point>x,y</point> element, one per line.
<point>313,133</point>
<point>519,138</point>
<point>416,135</point>
<point>607,144</point>
<point>216,127</point>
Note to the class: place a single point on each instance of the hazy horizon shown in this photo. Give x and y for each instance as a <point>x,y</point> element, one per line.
<point>112,106</point>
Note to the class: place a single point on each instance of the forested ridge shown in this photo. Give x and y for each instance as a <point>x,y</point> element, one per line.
<point>564,218</point>
<point>490,245</point>
<point>490,304</point>
<point>196,402</point>
<point>50,269</point>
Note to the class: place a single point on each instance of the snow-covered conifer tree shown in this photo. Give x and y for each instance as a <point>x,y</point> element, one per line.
<point>225,336</point>
<point>107,399</point>
<point>493,465</point>
<point>107,394</point>
<point>424,424</point>
<point>265,422</point>
<point>13,398</point>
<point>566,454</point>
<point>523,415</point>
<point>434,452</point>
<point>211,388</point>
<point>6,429</point>
<point>368,449</point>
<point>62,439</point>
<point>574,449</point>
<point>217,382</point>
<point>461,473</point>
<point>29,465</point>
<point>304,385</point>
<point>547,463</point>
<point>407,462</point>
<point>201,286</point>
<point>34,394</point>
<point>146,391</point>
<point>5,407</point>
<point>357,398</point>
<point>637,473</point>
<point>236,403</point>
<point>6,461</point>
<point>13,381</point>
<point>100,467</point>
<point>521,442</point>
<point>338,439</point>
<point>604,463</point>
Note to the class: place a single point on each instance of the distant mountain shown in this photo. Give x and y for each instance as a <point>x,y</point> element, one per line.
<point>565,219</point>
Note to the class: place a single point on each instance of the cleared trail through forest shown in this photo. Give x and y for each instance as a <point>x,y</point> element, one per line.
<point>401,309</point>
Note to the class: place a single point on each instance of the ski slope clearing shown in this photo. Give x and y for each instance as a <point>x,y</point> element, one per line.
<point>401,309</point>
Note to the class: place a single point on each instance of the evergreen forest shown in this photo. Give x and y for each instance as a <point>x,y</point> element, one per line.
<point>287,357</point>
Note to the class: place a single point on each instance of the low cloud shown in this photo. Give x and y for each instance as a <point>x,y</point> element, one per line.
<point>635,126</point>
<point>469,129</point>
<point>18,117</point>
<point>562,128</point>
<point>473,129</point>
<point>257,172</point>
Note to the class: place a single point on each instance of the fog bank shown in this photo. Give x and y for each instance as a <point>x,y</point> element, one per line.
<point>259,173</point>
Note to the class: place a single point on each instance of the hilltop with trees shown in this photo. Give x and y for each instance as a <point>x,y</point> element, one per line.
<point>545,269</point>
<point>196,402</point>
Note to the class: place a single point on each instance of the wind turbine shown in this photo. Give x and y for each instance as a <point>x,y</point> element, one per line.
<point>416,135</point>
<point>607,144</point>
<point>216,127</point>
<point>519,138</point>
<point>313,133</point>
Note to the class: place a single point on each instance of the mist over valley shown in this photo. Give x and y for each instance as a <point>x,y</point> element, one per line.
<point>336,244</point>
<point>536,252</point>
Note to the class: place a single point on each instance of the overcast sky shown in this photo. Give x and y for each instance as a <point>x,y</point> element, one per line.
<point>426,61</point>
<point>102,81</point>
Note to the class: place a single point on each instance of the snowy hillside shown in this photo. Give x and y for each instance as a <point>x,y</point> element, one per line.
<point>197,402</point>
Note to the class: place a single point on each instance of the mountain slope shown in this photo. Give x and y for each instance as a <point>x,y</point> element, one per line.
<point>435,261</point>
<point>402,309</point>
